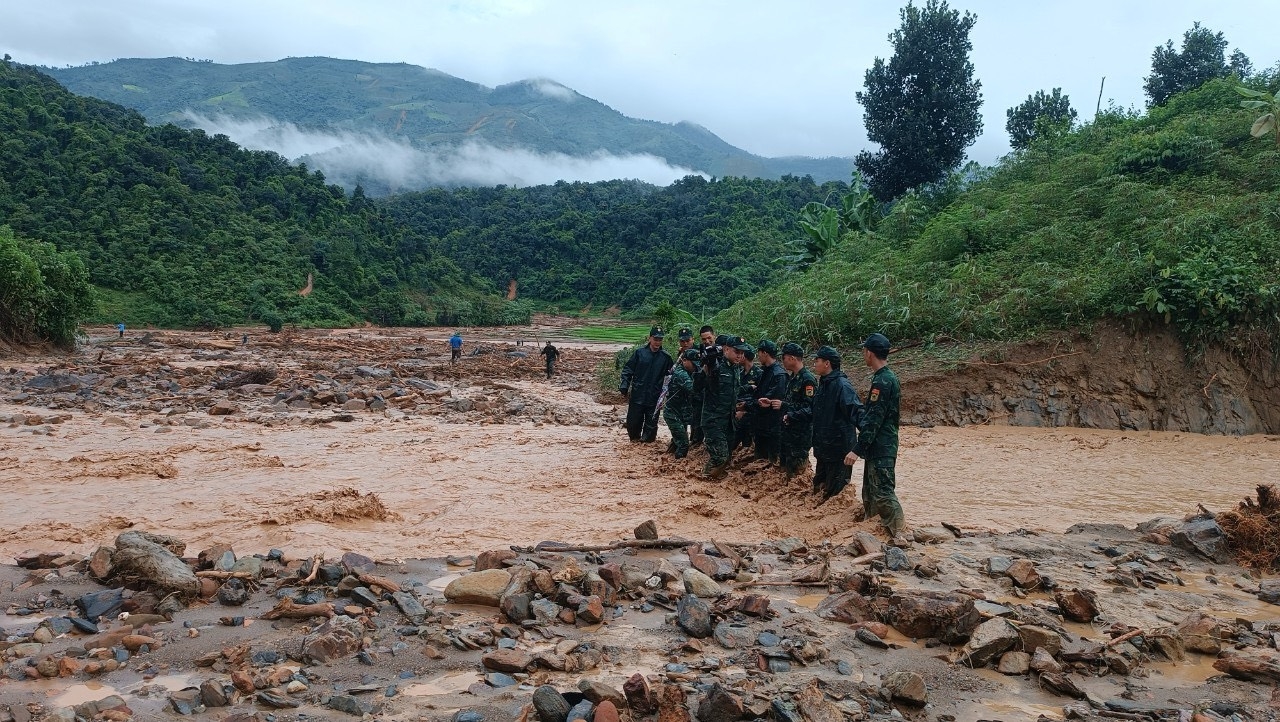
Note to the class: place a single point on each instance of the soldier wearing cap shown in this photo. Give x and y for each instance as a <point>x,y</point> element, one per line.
<point>685,337</point>
<point>641,385</point>
<point>878,438</point>
<point>796,408</point>
<point>766,419</point>
<point>707,337</point>
<point>744,413</point>
<point>679,407</point>
<point>835,412</point>
<point>721,377</point>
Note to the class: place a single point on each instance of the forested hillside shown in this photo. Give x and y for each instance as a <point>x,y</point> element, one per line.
<point>698,244</point>
<point>427,107</point>
<point>179,228</point>
<point>1171,212</point>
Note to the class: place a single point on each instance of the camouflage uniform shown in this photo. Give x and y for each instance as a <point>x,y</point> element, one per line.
<point>679,408</point>
<point>746,396</point>
<point>717,413</point>
<point>878,446</point>
<point>797,431</point>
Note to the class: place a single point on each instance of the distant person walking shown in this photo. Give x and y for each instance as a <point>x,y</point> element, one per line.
<point>878,438</point>
<point>641,385</point>
<point>455,347</point>
<point>120,328</point>
<point>552,353</point>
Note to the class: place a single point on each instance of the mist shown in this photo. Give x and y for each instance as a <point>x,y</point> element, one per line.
<point>384,165</point>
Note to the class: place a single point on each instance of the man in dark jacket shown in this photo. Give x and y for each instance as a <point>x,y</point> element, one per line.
<point>878,438</point>
<point>641,385</point>
<point>766,419</point>
<point>797,411</point>
<point>835,413</point>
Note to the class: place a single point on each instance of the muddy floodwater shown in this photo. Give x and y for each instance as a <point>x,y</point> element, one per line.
<point>455,488</point>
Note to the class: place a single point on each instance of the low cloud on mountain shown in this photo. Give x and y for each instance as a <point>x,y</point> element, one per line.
<point>387,165</point>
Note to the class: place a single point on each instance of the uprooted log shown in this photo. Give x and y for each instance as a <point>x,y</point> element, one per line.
<point>1250,668</point>
<point>287,608</point>
<point>154,560</point>
<point>376,581</point>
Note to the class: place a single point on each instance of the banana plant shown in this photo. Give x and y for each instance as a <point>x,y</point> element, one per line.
<point>824,226</point>
<point>1269,122</point>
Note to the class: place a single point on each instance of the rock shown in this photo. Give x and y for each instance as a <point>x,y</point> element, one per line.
<point>100,563</point>
<point>599,693</point>
<point>186,701</point>
<point>355,563</point>
<point>606,711</point>
<point>846,607</point>
<point>223,408</point>
<point>895,559</point>
<point>483,588</point>
<point>1269,591</point>
<point>700,585</point>
<point>493,559</point>
<point>339,637</point>
<point>694,616</point>
<point>550,705</point>
<point>990,609</point>
<point>516,607</point>
<point>1035,637</point>
<point>466,715</point>
<point>991,639</point>
<point>1205,537</point>
<point>214,694</point>
<point>155,560</point>
<point>250,565</point>
<point>640,698</point>
<point>647,531</point>
<point>1061,684</point>
<point>365,597</point>
<point>1078,605</point>
<point>1015,663</point>
<point>998,566</point>
<point>1043,662</point>
<point>1024,574</point>
<point>350,705</point>
<point>733,636</point>
<point>718,705</point>
<point>499,680</point>
<point>581,712</point>
<point>671,705</point>
<point>507,660</point>
<point>409,606</point>
<point>1202,633</point>
<point>101,604</point>
<point>591,610</point>
<point>545,611</point>
<point>47,667</point>
<point>233,593</point>
<point>754,605</point>
<point>870,638</point>
<point>906,687</point>
<point>948,616</point>
<point>932,535</point>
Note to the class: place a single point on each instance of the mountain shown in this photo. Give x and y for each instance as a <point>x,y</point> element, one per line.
<point>433,112</point>
<point>178,228</point>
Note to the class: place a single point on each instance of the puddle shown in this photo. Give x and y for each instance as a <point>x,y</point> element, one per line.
<point>1190,673</point>
<point>440,583</point>
<point>452,683</point>
<point>171,682</point>
<point>13,621</point>
<point>81,693</point>
<point>808,601</point>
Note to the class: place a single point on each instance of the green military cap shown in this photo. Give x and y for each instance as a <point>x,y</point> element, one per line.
<point>792,349</point>
<point>768,347</point>
<point>827,353</point>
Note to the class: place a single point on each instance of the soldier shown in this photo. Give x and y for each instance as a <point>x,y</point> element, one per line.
<point>797,411</point>
<point>552,353</point>
<point>707,336</point>
<point>722,375</point>
<point>744,414</point>
<point>641,385</point>
<point>771,386</point>
<point>878,438</point>
<point>679,406</point>
<point>835,413</point>
<point>685,337</point>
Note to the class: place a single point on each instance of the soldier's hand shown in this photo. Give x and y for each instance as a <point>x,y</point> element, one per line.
<point>623,392</point>
<point>850,459</point>
<point>786,419</point>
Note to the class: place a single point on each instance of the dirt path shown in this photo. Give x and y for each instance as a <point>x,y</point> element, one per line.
<point>460,487</point>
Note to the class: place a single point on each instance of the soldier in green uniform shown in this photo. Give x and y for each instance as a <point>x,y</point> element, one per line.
<point>877,441</point>
<point>797,408</point>
<point>707,337</point>
<point>679,406</point>
<point>744,414</point>
<point>720,367</point>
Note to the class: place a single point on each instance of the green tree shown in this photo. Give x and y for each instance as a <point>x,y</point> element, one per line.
<point>1029,119</point>
<point>43,293</point>
<point>922,105</point>
<point>1202,58</point>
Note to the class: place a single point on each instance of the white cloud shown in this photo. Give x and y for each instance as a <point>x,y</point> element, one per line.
<point>347,158</point>
<point>552,89</point>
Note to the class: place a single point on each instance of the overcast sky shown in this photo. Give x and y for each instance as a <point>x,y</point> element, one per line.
<point>775,78</point>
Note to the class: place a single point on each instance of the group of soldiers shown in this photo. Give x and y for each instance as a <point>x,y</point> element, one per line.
<point>724,393</point>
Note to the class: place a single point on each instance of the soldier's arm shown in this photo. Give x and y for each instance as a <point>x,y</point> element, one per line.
<point>681,380</point>
<point>872,418</point>
<point>802,409</point>
<point>776,388</point>
<point>628,369</point>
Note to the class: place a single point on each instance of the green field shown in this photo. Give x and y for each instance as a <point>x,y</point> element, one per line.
<point>611,334</point>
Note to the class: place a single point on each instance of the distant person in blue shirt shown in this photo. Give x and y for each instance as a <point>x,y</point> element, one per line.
<point>120,328</point>
<point>455,346</point>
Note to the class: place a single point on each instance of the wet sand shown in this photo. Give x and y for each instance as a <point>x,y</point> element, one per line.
<point>457,488</point>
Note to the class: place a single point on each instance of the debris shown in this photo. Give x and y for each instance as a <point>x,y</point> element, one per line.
<point>1078,605</point>
<point>154,559</point>
<point>906,687</point>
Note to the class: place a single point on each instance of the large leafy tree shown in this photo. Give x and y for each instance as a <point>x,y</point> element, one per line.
<point>921,106</point>
<point>1202,58</point>
<point>1037,116</point>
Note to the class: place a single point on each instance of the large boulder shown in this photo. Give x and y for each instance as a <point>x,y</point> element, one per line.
<point>484,588</point>
<point>948,616</point>
<point>156,560</point>
<point>991,639</point>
